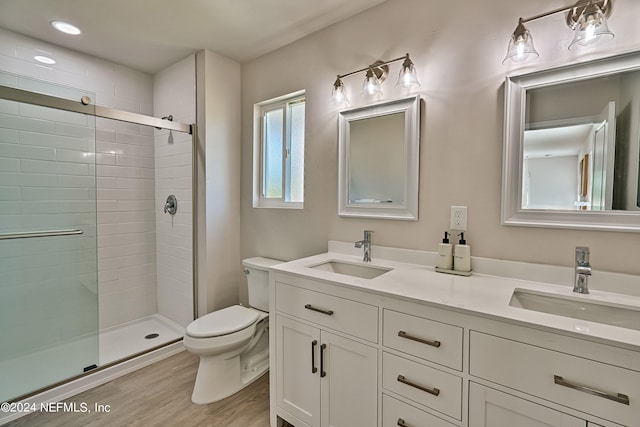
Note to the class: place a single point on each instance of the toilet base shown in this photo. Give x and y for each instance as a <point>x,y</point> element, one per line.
<point>219,377</point>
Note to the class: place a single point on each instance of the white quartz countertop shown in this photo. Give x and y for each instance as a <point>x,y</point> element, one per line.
<point>479,294</point>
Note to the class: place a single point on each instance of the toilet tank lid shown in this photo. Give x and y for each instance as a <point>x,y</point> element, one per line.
<point>260,263</point>
<point>222,322</point>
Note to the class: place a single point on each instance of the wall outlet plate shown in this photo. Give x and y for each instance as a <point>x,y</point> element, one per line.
<point>458,219</point>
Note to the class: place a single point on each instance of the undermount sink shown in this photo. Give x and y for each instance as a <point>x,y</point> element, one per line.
<point>349,269</point>
<point>577,308</point>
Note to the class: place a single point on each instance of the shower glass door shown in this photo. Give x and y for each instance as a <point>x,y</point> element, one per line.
<point>48,240</point>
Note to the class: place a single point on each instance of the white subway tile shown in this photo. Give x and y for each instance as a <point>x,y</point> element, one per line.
<point>9,165</point>
<point>68,181</point>
<point>122,195</point>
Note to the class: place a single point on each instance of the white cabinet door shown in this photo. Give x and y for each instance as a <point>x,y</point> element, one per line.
<point>491,408</point>
<point>349,387</point>
<point>298,364</point>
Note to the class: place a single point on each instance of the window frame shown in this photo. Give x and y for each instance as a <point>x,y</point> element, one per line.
<point>260,110</point>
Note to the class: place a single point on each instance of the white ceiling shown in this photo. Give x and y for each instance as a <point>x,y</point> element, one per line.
<point>149,35</point>
<point>556,142</point>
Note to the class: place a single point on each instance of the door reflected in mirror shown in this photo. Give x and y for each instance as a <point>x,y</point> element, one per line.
<point>557,173</point>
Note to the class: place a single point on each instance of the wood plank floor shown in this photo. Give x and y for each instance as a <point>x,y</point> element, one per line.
<point>160,395</point>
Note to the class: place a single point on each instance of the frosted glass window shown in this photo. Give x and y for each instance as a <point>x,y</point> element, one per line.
<point>296,153</point>
<point>279,173</point>
<point>273,154</point>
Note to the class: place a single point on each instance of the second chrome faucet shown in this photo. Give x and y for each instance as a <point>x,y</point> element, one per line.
<point>583,271</point>
<point>365,243</point>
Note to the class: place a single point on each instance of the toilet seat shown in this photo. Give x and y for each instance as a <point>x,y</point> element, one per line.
<point>222,322</point>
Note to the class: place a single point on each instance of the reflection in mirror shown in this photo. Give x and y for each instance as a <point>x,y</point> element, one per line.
<point>379,160</point>
<point>572,146</point>
<point>377,172</point>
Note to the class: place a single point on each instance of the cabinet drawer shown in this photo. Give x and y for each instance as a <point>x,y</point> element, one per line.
<point>423,338</point>
<point>592,387</point>
<point>396,413</point>
<point>423,384</point>
<point>337,313</point>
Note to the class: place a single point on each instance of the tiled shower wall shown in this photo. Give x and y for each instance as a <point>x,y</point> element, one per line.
<point>126,188</point>
<point>174,94</point>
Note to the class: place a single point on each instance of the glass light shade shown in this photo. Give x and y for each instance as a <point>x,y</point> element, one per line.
<point>339,93</point>
<point>371,86</point>
<point>408,78</point>
<point>520,46</point>
<point>592,26</point>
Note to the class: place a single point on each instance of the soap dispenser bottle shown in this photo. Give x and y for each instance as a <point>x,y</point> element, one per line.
<point>462,255</point>
<point>445,253</point>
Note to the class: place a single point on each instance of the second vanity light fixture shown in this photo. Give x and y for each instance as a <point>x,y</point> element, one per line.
<point>375,74</point>
<point>588,18</point>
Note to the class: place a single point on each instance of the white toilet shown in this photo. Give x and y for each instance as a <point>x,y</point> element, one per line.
<point>233,343</point>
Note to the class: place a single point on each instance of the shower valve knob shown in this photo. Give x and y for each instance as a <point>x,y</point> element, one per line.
<point>171,206</point>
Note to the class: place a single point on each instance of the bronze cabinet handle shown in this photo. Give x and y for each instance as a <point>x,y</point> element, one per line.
<point>322,372</point>
<point>403,334</point>
<point>433,391</point>
<point>313,356</point>
<point>402,423</point>
<point>620,398</point>
<point>319,310</point>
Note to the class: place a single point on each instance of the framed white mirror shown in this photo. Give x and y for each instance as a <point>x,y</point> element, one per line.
<point>379,160</point>
<point>571,149</point>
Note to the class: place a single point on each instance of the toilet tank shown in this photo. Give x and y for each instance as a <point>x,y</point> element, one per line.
<point>257,272</point>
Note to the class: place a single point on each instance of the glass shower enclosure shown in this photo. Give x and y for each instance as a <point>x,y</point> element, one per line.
<point>48,241</point>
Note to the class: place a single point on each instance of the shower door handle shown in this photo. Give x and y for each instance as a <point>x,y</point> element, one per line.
<point>31,234</point>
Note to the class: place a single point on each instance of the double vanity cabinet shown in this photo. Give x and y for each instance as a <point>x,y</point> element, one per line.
<point>411,348</point>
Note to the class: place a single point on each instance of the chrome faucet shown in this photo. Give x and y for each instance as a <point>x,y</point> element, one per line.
<point>366,245</point>
<point>583,271</point>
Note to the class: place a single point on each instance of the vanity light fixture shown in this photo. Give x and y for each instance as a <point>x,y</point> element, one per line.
<point>587,18</point>
<point>375,74</point>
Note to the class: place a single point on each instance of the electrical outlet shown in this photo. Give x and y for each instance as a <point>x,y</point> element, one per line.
<point>458,219</point>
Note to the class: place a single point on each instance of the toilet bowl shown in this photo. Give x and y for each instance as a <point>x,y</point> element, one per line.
<point>233,343</point>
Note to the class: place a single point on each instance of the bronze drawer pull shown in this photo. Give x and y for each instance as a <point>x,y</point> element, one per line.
<point>322,372</point>
<point>403,334</point>
<point>620,398</point>
<point>319,310</point>
<point>313,356</point>
<point>433,391</point>
<point>401,423</point>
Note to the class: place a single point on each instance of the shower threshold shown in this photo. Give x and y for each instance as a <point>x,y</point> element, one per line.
<point>22,375</point>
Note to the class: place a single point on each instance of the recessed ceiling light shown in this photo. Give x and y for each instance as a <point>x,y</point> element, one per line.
<point>44,59</point>
<point>65,27</point>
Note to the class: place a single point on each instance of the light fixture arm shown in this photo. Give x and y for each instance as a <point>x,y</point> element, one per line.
<point>578,9</point>
<point>376,65</point>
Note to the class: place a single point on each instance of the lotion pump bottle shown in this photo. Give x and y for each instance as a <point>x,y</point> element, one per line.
<point>445,254</point>
<point>462,255</point>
